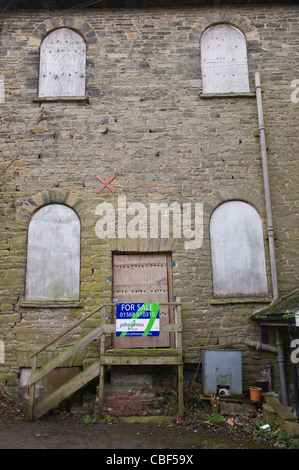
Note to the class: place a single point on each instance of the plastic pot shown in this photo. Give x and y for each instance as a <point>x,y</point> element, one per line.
<point>255,393</point>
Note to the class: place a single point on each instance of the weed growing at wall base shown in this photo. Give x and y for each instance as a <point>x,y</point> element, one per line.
<point>135,220</point>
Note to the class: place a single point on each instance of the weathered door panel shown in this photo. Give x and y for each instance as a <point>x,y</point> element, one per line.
<point>142,278</point>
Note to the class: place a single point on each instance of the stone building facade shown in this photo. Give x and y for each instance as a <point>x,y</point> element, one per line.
<point>145,120</point>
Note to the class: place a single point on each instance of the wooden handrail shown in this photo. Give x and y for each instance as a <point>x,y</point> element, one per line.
<point>64,355</point>
<point>175,327</point>
<point>86,318</point>
<point>69,329</point>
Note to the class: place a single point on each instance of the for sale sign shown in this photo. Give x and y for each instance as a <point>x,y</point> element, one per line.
<point>137,319</point>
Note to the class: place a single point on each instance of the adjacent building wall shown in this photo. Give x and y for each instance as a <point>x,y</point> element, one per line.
<point>146,121</point>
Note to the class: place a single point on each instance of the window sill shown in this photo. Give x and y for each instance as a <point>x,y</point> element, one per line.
<point>241,300</point>
<point>226,95</point>
<point>51,304</point>
<point>63,99</point>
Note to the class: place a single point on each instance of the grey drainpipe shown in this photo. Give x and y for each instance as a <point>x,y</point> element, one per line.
<point>266,185</point>
<point>278,350</point>
<point>280,357</point>
<point>281,360</point>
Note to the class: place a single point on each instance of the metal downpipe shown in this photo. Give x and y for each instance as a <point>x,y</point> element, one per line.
<point>281,362</point>
<point>270,229</point>
<point>258,345</point>
<point>280,358</point>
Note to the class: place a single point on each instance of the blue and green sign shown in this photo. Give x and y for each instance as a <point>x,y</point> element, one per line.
<point>137,319</point>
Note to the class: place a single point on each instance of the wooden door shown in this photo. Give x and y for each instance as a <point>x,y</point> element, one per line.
<point>143,278</point>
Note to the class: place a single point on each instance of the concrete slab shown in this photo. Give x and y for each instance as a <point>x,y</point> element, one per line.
<point>274,411</point>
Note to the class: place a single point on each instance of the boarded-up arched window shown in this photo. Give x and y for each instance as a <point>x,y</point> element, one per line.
<point>53,254</point>
<point>62,64</point>
<point>238,256</point>
<point>224,60</point>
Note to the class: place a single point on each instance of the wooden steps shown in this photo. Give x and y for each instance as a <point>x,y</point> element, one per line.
<point>67,390</point>
<point>141,357</point>
<point>63,392</point>
<point>146,356</point>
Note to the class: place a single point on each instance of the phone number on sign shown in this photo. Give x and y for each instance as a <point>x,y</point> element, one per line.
<point>146,314</point>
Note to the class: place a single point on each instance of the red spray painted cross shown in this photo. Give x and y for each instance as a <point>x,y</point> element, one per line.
<point>106,184</point>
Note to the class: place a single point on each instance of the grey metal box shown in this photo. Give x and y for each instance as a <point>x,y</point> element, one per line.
<point>222,368</point>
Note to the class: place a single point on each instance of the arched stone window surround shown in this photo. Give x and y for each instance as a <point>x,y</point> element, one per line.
<point>77,24</point>
<point>31,206</point>
<point>51,24</point>
<point>235,19</point>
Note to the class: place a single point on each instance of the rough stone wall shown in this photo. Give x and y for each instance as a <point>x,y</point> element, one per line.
<point>146,123</point>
